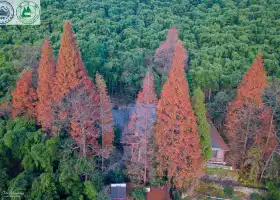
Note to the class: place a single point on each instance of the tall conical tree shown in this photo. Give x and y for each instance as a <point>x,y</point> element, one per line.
<point>244,113</point>
<point>70,68</point>
<point>137,136</point>
<point>251,88</point>
<point>147,95</point>
<point>106,120</point>
<point>83,104</point>
<point>24,96</point>
<point>164,54</point>
<point>46,79</point>
<point>179,152</point>
<point>203,127</point>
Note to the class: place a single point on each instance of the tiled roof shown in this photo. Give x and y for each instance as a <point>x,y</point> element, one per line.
<point>121,115</point>
<point>158,194</point>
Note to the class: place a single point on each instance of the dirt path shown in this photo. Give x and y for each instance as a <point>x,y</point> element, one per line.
<point>229,183</point>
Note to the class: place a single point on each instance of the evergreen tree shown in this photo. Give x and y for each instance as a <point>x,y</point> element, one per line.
<point>178,149</point>
<point>203,127</point>
<point>5,109</point>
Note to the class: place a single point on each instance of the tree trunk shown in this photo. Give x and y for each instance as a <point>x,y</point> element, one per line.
<point>146,149</point>
<point>209,95</point>
<point>102,133</point>
<point>247,132</point>
<point>145,172</point>
<point>271,121</point>
<point>145,160</point>
<point>266,163</point>
<point>83,143</point>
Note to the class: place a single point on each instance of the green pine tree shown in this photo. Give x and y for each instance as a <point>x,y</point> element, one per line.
<point>23,12</point>
<point>203,127</point>
<point>28,9</point>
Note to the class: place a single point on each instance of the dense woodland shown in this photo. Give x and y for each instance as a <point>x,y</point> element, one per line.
<point>177,61</point>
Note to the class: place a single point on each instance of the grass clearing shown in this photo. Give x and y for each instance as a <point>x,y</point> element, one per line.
<point>222,173</point>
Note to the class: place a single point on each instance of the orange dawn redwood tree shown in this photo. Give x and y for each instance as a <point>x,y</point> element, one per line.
<point>106,119</point>
<point>249,123</point>
<point>46,79</point>
<point>24,96</point>
<point>179,153</point>
<point>266,137</point>
<point>83,104</point>
<point>70,73</point>
<point>138,134</point>
<point>164,54</point>
<point>70,68</point>
<point>147,95</point>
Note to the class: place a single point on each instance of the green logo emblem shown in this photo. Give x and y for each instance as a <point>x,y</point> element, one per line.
<point>28,12</point>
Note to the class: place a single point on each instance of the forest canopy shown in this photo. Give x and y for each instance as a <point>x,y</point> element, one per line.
<point>118,38</point>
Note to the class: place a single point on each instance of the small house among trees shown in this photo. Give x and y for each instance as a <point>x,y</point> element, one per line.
<point>118,191</point>
<point>158,193</point>
<point>218,146</point>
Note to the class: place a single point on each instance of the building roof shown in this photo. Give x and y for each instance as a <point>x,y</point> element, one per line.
<point>158,194</point>
<point>121,118</point>
<point>217,141</point>
<point>121,115</point>
<point>118,191</point>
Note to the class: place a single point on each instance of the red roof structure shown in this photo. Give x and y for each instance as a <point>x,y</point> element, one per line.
<point>158,194</point>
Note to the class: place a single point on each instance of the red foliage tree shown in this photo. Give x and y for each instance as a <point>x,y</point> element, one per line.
<point>84,119</point>
<point>24,96</point>
<point>70,68</point>
<point>147,95</point>
<point>179,152</point>
<point>137,137</point>
<point>46,79</point>
<point>251,88</point>
<point>164,54</point>
<point>248,121</point>
<point>266,136</point>
<point>106,120</point>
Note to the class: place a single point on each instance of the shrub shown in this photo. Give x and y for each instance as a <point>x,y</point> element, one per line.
<point>117,176</point>
<point>256,196</point>
<point>273,191</point>
<point>138,193</point>
<point>228,191</point>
